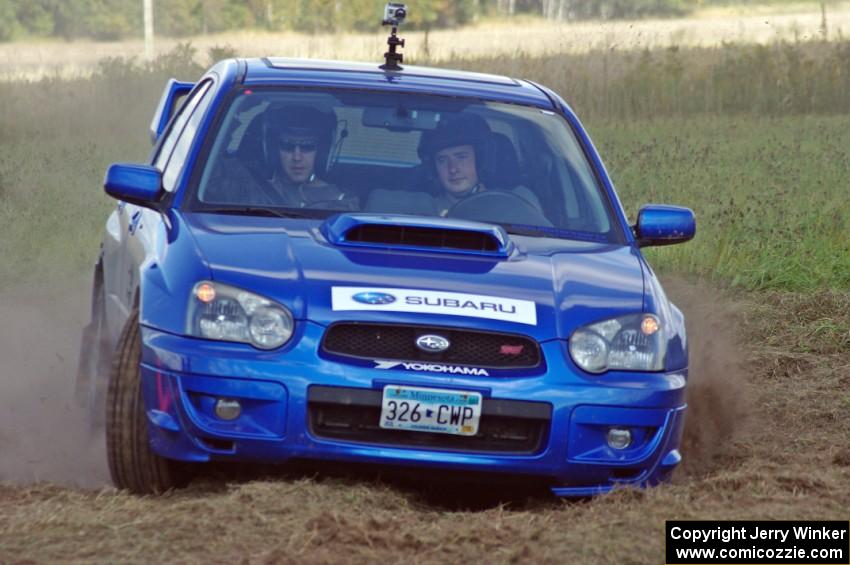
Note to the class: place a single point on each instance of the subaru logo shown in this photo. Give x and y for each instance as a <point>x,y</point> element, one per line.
<point>374,298</point>
<point>432,343</point>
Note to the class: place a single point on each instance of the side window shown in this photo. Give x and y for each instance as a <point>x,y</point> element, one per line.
<point>179,122</point>
<point>174,166</point>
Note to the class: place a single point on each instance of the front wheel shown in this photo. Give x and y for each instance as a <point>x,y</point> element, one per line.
<point>132,464</point>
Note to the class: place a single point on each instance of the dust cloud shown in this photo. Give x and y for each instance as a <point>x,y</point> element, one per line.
<point>44,436</point>
<point>719,398</point>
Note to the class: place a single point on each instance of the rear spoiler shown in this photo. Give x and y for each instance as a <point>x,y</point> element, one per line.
<point>174,92</point>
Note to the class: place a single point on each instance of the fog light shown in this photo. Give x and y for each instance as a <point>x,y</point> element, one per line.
<point>619,438</point>
<point>227,409</point>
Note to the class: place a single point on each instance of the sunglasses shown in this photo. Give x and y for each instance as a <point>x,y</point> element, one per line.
<point>305,146</point>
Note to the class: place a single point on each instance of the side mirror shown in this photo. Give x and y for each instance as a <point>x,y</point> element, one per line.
<point>664,225</point>
<point>175,91</point>
<point>136,184</point>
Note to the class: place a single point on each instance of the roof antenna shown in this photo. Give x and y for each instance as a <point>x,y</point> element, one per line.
<point>394,15</point>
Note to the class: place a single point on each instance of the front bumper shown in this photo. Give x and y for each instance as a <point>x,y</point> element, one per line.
<point>298,404</point>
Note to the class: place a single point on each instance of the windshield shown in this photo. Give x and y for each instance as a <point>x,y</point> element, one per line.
<point>301,153</point>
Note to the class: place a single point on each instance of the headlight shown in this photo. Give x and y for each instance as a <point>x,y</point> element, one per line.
<point>225,313</point>
<point>628,343</point>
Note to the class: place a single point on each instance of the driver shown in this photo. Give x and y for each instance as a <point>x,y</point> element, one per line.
<point>456,152</point>
<point>293,143</point>
<point>297,141</point>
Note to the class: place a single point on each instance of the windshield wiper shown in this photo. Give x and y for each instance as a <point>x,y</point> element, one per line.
<point>529,231</point>
<point>559,233</point>
<point>254,211</point>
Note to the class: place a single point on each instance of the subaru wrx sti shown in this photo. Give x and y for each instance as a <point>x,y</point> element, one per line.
<point>411,267</point>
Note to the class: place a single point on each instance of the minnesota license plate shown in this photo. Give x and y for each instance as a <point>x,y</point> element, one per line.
<point>430,410</point>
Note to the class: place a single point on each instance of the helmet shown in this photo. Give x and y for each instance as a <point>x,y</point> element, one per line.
<point>298,121</point>
<point>460,129</point>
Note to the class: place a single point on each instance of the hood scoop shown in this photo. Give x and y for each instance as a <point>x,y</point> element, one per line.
<point>415,233</point>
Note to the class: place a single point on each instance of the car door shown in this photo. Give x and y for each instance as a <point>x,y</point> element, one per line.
<point>129,228</point>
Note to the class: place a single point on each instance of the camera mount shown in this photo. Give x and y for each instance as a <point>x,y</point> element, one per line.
<point>394,15</point>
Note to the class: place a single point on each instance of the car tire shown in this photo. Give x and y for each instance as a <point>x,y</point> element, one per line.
<point>93,366</point>
<point>132,464</point>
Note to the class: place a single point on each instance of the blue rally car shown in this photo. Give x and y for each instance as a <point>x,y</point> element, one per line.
<point>408,267</point>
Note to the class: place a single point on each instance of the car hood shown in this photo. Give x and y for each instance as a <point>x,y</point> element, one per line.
<point>544,287</point>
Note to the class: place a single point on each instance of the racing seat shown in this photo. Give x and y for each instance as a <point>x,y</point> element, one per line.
<point>502,170</point>
<point>244,160</point>
<point>250,151</point>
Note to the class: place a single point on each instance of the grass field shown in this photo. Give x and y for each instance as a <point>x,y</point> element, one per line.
<point>754,23</point>
<point>770,194</point>
<point>767,428</point>
<point>767,178</point>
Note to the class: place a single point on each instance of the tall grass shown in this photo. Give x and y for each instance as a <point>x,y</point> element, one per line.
<point>766,175</point>
<point>770,194</point>
<point>56,139</point>
<point>768,80</point>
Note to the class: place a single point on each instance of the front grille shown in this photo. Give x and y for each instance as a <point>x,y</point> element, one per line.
<point>391,341</point>
<point>506,426</point>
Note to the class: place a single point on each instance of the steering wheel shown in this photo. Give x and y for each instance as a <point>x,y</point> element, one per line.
<point>498,206</point>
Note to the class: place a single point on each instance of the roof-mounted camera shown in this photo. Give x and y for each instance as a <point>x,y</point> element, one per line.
<point>394,14</point>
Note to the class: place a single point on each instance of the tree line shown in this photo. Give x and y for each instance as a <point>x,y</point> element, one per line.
<point>120,19</point>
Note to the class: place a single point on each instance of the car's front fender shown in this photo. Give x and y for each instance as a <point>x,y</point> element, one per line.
<point>171,266</point>
<point>673,321</point>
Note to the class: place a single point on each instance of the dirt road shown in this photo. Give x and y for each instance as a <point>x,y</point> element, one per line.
<point>766,439</point>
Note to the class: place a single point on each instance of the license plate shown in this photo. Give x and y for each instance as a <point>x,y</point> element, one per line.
<point>430,410</point>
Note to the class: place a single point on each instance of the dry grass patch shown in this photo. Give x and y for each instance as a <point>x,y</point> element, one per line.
<point>786,459</point>
<point>532,37</point>
<point>816,324</point>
